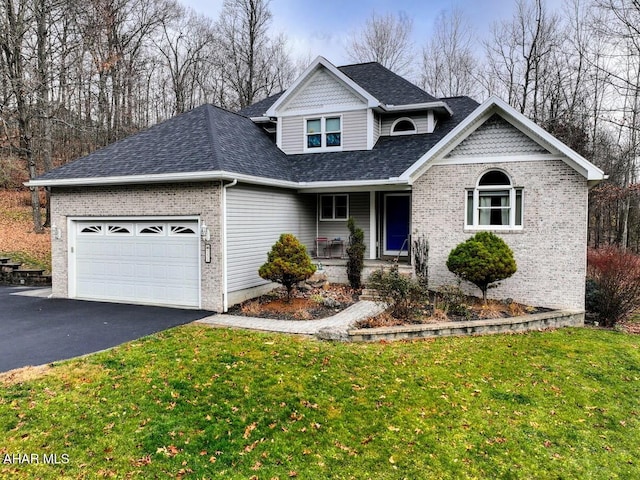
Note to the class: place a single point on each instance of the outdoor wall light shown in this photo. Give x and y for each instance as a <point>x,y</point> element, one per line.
<point>205,233</point>
<point>56,232</point>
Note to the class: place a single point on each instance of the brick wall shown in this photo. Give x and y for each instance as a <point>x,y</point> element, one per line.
<point>550,250</point>
<point>197,199</point>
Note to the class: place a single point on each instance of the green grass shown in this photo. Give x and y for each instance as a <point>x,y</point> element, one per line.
<point>195,402</point>
<point>28,260</point>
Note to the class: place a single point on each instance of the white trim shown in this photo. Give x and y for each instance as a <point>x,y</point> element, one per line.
<point>317,63</point>
<point>475,203</point>
<point>205,176</point>
<point>71,252</point>
<point>279,133</point>
<point>323,134</point>
<point>519,121</point>
<point>372,225</point>
<point>370,136</point>
<point>384,224</point>
<point>418,106</point>
<point>211,177</point>
<point>431,122</point>
<point>328,110</point>
<point>353,186</point>
<point>333,217</point>
<point>405,132</point>
<point>460,160</point>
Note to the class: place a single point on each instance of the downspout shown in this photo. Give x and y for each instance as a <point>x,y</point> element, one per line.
<point>225,293</point>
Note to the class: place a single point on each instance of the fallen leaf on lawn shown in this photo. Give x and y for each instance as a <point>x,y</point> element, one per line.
<point>249,429</point>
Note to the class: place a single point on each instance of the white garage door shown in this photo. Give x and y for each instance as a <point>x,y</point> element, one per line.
<point>151,262</point>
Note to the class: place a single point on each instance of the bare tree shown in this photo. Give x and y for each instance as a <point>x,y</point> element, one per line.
<point>247,56</point>
<point>15,27</point>
<point>384,39</point>
<point>449,66</point>
<point>519,53</point>
<point>183,46</point>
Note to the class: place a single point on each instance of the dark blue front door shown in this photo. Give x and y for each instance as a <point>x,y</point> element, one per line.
<point>397,223</point>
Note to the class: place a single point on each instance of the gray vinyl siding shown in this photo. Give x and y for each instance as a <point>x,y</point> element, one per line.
<point>359,210</point>
<point>354,131</point>
<point>419,120</point>
<point>377,125</point>
<point>292,135</point>
<point>256,216</point>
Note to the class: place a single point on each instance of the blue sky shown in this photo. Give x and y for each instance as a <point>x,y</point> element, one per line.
<point>323,28</point>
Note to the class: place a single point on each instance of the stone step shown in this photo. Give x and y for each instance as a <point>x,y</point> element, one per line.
<point>27,272</point>
<point>9,267</point>
<point>4,260</point>
<point>369,294</point>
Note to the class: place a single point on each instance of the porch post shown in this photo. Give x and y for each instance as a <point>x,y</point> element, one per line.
<point>372,225</point>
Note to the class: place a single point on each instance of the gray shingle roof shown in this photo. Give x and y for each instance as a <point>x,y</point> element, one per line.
<point>259,108</point>
<point>386,86</point>
<point>206,138</point>
<point>209,138</point>
<point>382,83</point>
<point>390,157</point>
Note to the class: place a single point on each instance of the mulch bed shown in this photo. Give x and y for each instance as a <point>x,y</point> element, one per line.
<point>435,313</point>
<point>306,304</point>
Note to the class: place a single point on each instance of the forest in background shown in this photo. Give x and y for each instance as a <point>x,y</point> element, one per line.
<point>76,75</point>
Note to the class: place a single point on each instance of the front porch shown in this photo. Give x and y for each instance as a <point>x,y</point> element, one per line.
<point>335,269</point>
<point>384,216</point>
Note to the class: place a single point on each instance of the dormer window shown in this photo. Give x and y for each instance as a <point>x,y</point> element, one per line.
<point>324,133</point>
<point>403,126</point>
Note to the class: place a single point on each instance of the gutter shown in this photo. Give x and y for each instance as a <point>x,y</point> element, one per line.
<point>417,106</point>
<point>182,177</point>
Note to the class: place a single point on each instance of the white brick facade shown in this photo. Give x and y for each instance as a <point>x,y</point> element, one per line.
<point>183,199</point>
<point>550,250</point>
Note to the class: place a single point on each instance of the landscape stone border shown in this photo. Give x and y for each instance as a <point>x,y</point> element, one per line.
<point>536,321</point>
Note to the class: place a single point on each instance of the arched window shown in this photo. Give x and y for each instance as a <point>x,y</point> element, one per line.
<point>403,126</point>
<point>494,203</point>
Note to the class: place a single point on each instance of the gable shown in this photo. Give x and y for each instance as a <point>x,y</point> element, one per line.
<point>320,91</point>
<point>496,137</point>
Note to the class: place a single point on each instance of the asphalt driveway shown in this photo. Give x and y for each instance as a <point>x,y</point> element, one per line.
<point>36,330</point>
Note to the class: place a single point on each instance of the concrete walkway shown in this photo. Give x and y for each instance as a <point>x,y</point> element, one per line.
<point>330,328</point>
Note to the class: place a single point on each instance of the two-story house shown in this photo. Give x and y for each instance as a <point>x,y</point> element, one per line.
<point>184,213</point>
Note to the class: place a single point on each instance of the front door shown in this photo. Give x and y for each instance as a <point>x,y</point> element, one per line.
<point>397,208</point>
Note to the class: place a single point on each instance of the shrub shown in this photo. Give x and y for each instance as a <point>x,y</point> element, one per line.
<point>421,260</point>
<point>287,263</point>
<point>613,284</point>
<point>451,299</point>
<point>355,252</point>
<point>482,260</point>
<point>403,295</point>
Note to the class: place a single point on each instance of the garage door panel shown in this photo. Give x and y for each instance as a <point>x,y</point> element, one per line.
<point>138,262</point>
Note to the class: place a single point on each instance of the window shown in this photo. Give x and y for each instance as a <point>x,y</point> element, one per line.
<point>119,229</point>
<point>403,126</point>
<point>324,133</point>
<point>494,203</point>
<point>334,207</point>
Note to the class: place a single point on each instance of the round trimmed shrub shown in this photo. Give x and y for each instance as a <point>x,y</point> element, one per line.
<point>482,260</point>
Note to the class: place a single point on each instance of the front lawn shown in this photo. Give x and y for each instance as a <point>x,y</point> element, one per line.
<point>196,402</point>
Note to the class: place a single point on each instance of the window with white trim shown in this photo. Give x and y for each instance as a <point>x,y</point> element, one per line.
<point>403,126</point>
<point>495,203</point>
<point>334,207</point>
<point>323,133</point>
